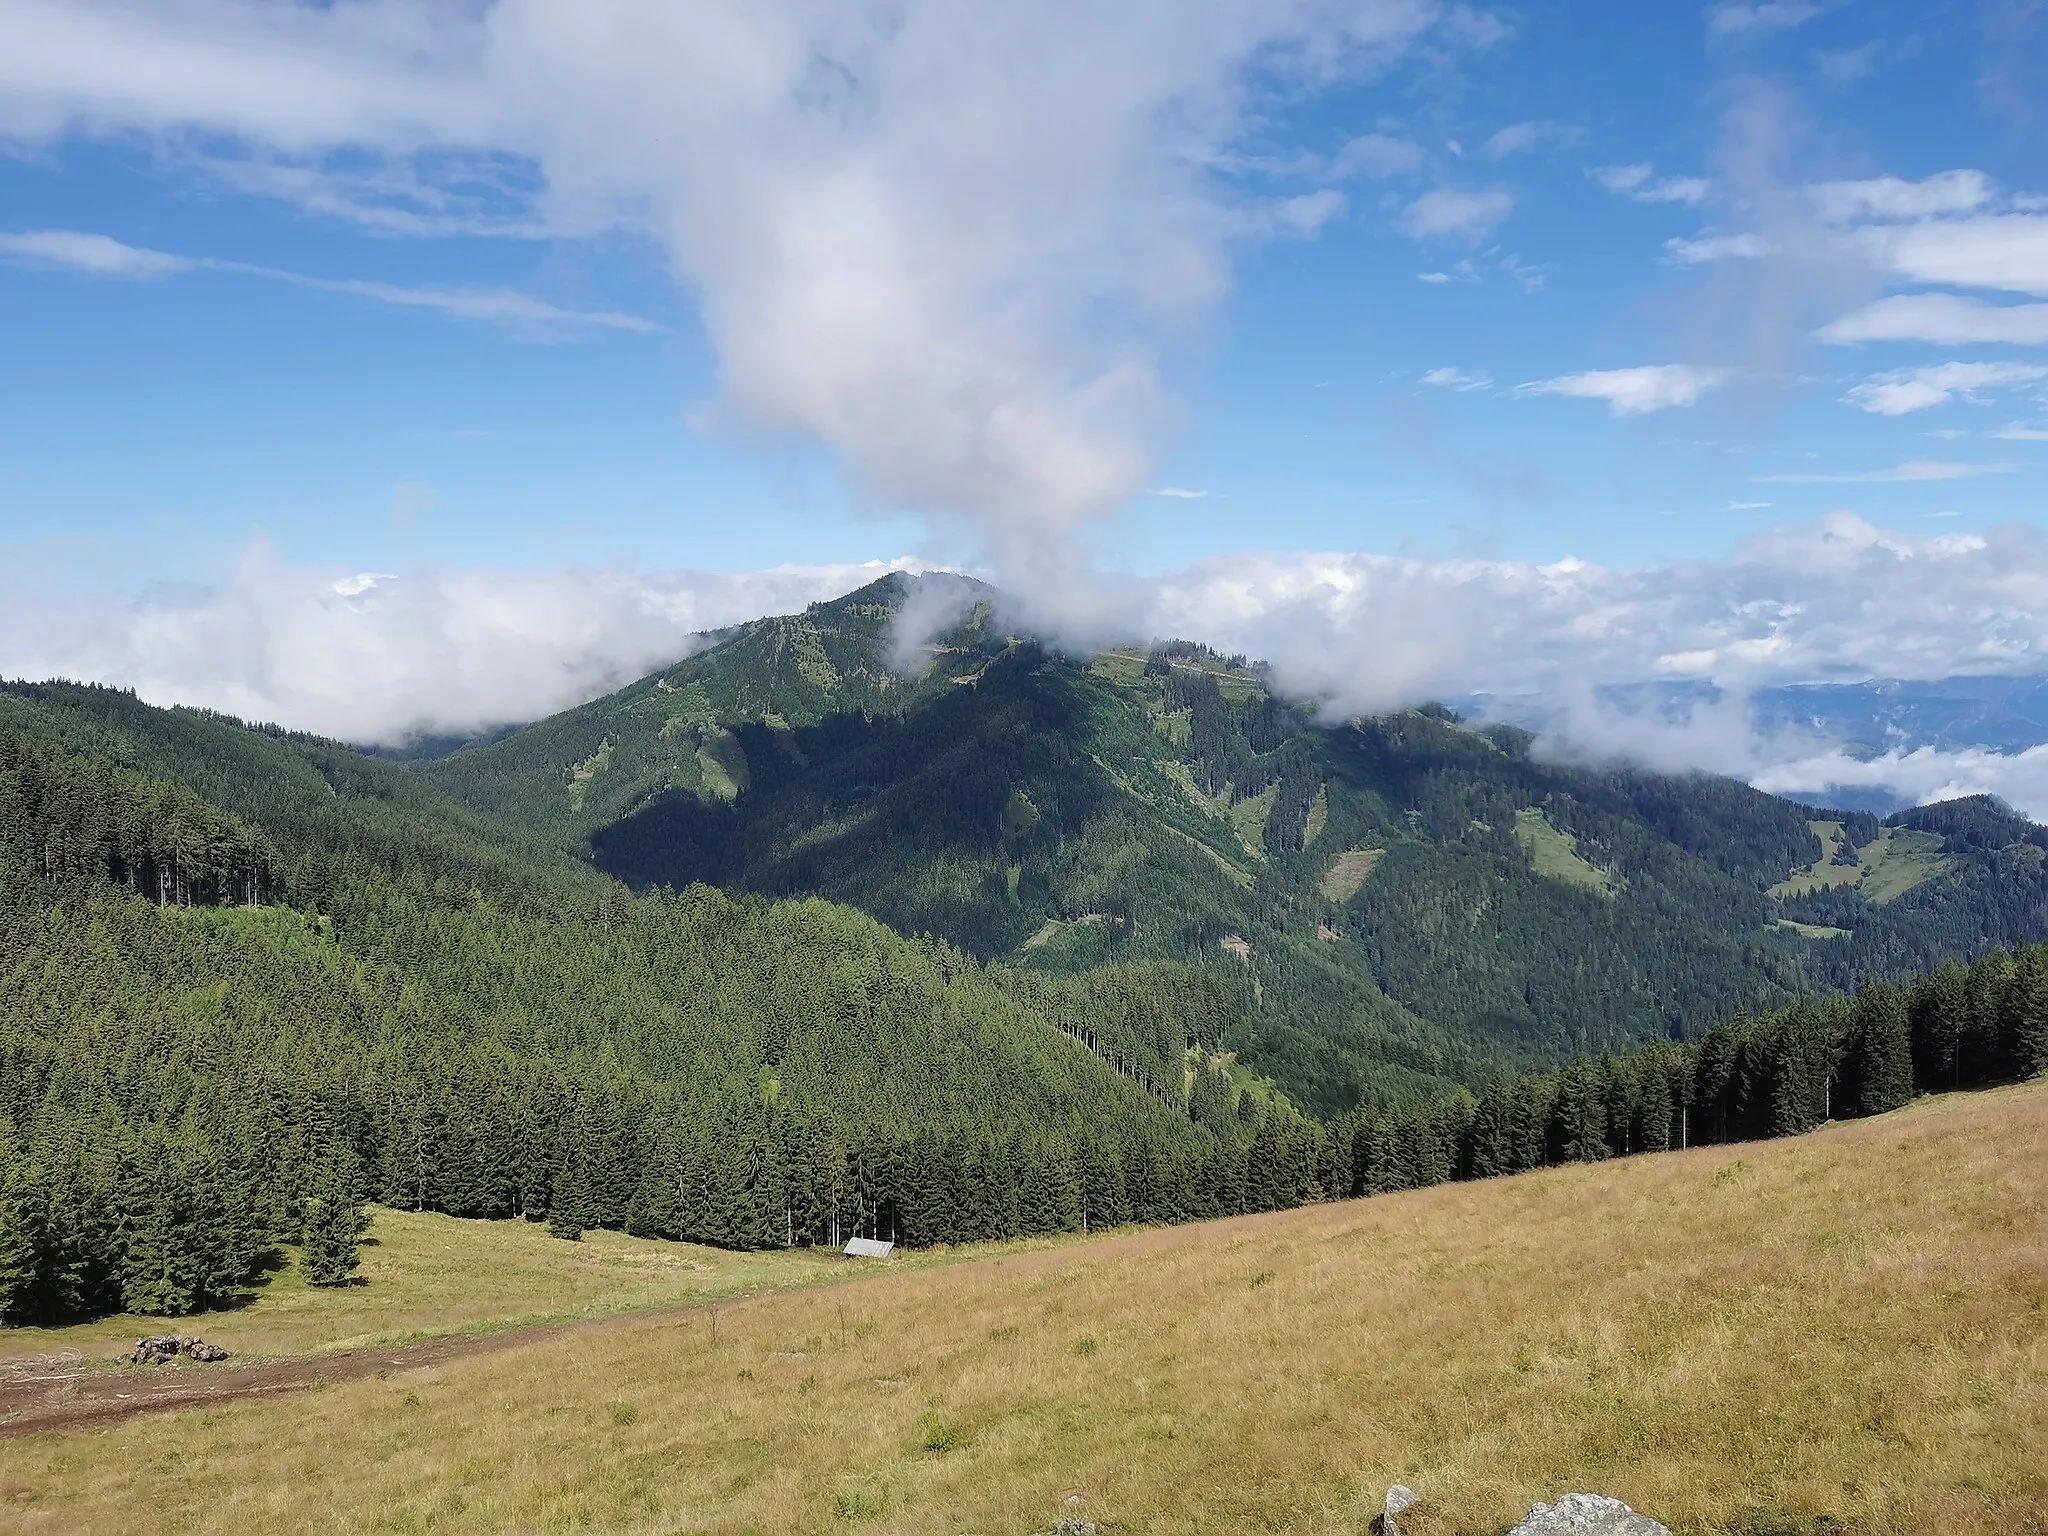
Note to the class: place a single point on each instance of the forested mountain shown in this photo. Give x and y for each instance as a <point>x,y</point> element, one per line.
<point>250,979</point>
<point>1405,898</point>
<point>219,1013</point>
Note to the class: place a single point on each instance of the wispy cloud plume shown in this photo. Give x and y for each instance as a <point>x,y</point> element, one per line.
<point>1449,211</point>
<point>1636,391</point>
<point>103,256</point>
<point>1643,185</point>
<point>1917,389</point>
<point>1912,472</point>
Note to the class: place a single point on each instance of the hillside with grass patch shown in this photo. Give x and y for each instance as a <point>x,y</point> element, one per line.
<point>1839,1332</point>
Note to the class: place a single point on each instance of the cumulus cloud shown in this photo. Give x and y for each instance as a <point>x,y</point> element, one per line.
<point>1636,391</point>
<point>1916,389</point>
<point>1838,599</point>
<point>103,256</point>
<point>1918,775</point>
<point>1448,211</point>
<point>1641,183</point>
<point>946,241</point>
<point>2002,251</point>
<point>370,656</point>
<point>373,656</point>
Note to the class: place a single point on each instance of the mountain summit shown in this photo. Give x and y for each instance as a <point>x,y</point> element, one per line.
<point>1398,898</point>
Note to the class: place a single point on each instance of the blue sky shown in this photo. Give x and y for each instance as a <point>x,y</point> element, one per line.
<point>391,289</point>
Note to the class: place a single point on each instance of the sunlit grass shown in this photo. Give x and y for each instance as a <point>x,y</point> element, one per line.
<point>1848,1325</point>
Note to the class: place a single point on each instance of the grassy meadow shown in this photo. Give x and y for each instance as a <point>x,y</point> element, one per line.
<point>1843,1332</point>
<point>425,1275</point>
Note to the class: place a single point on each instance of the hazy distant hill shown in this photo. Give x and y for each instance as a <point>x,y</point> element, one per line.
<point>1398,895</point>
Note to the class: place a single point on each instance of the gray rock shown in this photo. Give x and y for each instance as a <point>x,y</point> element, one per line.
<point>1399,1497</point>
<point>1587,1514</point>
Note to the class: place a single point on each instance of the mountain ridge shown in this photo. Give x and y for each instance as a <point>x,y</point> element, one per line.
<point>1057,813</point>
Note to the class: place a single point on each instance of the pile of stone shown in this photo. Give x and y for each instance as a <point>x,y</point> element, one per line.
<point>161,1349</point>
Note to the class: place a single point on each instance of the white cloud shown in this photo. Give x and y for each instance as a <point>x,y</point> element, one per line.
<point>1448,211</point>
<point>376,656</point>
<point>1519,137</point>
<point>1176,493</point>
<point>1835,599</point>
<point>1915,389</point>
<point>1923,775</point>
<point>98,255</point>
<point>1747,506</point>
<point>1887,197</point>
<point>1303,216</point>
<point>1692,253</point>
<point>1458,379</point>
<point>1945,319</point>
<point>1376,154</point>
<point>904,221</point>
<point>1912,472</point>
<point>1636,391</point>
<point>1642,184</point>
<point>102,256</point>
<point>2003,251</point>
<point>2016,433</point>
<point>1771,16</point>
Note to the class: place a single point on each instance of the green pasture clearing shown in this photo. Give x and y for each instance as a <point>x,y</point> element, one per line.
<point>1555,854</point>
<point>1891,864</point>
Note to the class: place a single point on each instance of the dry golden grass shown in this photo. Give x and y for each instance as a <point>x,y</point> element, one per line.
<point>1849,1325</point>
<point>427,1275</point>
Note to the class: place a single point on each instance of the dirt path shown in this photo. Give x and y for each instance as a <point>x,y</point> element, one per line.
<point>69,1392</point>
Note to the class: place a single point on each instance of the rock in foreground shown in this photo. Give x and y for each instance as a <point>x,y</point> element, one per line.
<point>1587,1514</point>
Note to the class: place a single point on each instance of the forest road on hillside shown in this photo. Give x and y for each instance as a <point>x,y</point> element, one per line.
<point>62,1392</point>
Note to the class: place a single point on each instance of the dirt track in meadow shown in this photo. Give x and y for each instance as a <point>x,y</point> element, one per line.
<point>69,1392</point>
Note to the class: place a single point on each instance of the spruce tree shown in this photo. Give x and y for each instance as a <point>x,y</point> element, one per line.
<point>2024,1021</point>
<point>17,1240</point>
<point>1878,1075</point>
<point>569,1206</point>
<point>333,1232</point>
<point>1579,1118</point>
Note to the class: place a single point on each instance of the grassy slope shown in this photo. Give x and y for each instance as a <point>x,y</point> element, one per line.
<point>1851,1324</point>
